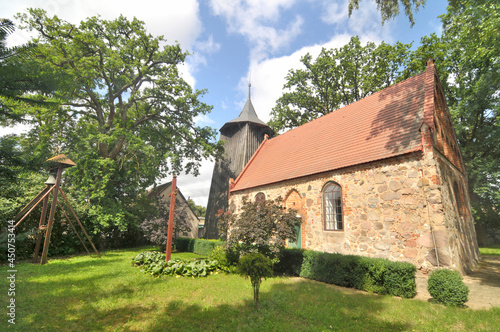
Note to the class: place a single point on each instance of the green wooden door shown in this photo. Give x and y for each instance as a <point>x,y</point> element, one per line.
<point>299,239</point>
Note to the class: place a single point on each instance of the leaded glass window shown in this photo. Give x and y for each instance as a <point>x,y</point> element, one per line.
<point>332,207</point>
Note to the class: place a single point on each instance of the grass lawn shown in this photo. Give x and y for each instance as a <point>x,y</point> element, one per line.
<point>109,294</point>
<point>493,250</point>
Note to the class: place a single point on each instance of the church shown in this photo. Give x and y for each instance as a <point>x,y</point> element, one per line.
<point>381,177</point>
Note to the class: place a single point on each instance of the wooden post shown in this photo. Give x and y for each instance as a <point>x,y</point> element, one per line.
<point>34,202</point>
<point>72,226</point>
<point>50,223</point>
<point>171,219</point>
<point>46,194</point>
<point>79,223</point>
<point>40,227</point>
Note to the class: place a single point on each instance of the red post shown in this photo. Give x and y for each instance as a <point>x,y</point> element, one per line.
<point>171,219</point>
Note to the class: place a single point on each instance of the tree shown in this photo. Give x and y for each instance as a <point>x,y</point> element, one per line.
<point>468,63</point>
<point>155,227</point>
<point>337,77</point>
<point>18,75</point>
<point>124,113</point>
<point>198,210</point>
<point>256,266</point>
<point>261,227</point>
<point>389,9</point>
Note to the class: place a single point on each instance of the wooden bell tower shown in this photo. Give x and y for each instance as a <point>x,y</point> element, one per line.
<point>241,136</point>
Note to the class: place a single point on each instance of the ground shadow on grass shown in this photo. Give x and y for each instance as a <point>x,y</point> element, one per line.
<point>72,304</point>
<point>488,272</point>
<point>299,306</point>
<point>62,267</point>
<point>291,305</point>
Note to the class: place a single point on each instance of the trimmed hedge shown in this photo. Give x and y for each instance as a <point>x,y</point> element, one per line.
<point>370,274</point>
<point>198,246</point>
<point>447,287</point>
<point>290,262</point>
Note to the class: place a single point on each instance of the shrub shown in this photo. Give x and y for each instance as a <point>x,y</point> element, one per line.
<point>197,246</point>
<point>219,255</point>
<point>205,247</point>
<point>290,262</point>
<point>370,274</point>
<point>184,244</point>
<point>154,263</point>
<point>447,287</point>
<point>399,280</point>
<point>256,266</point>
<point>260,226</point>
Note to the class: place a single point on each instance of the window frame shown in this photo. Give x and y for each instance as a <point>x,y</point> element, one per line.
<point>326,223</point>
<point>260,197</point>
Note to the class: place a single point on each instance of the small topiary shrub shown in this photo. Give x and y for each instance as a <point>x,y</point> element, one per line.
<point>256,266</point>
<point>447,287</point>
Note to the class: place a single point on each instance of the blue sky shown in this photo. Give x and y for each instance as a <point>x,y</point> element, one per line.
<point>232,40</point>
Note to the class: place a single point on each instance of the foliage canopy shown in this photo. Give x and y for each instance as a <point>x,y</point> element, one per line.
<point>121,111</point>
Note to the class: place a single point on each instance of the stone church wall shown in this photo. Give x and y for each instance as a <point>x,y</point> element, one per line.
<point>393,209</point>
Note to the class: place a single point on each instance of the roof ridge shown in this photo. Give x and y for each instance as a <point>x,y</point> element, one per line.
<point>357,101</point>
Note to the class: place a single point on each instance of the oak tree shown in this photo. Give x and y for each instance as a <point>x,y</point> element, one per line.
<point>124,113</point>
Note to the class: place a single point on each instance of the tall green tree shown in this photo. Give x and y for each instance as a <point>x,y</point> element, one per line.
<point>124,114</point>
<point>468,62</point>
<point>18,76</point>
<point>337,77</point>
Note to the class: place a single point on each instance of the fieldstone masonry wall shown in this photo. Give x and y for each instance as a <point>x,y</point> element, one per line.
<point>398,209</point>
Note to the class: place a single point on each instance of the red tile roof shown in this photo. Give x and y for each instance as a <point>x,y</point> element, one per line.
<point>382,125</point>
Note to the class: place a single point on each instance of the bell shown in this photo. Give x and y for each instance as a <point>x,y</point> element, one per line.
<point>51,180</point>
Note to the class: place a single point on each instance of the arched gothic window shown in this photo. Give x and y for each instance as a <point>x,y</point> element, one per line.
<point>332,207</point>
<point>260,197</point>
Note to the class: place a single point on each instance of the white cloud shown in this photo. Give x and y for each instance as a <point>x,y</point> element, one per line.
<point>198,187</point>
<point>201,49</point>
<point>268,76</point>
<point>335,12</point>
<point>254,19</point>
<point>186,72</point>
<point>176,20</point>
<point>366,21</point>
<point>17,129</point>
<point>203,120</point>
<point>208,46</point>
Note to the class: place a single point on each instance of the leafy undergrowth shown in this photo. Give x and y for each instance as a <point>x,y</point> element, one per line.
<point>154,263</point>
<point>110,294</point>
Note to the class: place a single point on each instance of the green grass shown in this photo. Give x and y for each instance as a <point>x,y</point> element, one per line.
<point>109,294</point>
<point>493,250</point>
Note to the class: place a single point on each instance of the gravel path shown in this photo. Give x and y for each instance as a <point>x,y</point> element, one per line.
<point>484,284</point>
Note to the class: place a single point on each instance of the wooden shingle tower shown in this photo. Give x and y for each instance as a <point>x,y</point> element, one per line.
<point>242,136</point>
